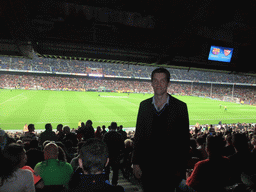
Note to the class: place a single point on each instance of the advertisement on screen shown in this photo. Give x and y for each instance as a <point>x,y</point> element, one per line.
<point>218,53</point>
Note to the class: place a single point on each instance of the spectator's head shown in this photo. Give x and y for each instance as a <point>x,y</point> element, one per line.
<point>193,143</point>
<point>161,70</point>
<point>229,140</point>
<point>59,127</point>
<point>19,142</point>
<point>113,126</point>
<point>13,157</point>
<point>82,124</point>
<point>15,154</point>
<point>128,143</point>
<point>214,145</point>
<point>200,141</point>
<point>31,127</point>
<point>93,157</point>
<point>160,81</point>
<point>88,123</point>
<point>46,142</point>
<point>240,142</point>
<point>48,127</point>
<point>66,129</point>
<point>103,127</point>
<point>99,129</point>
<point>51,151</point>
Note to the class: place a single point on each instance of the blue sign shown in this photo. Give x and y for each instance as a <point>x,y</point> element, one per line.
<point>218,53</point>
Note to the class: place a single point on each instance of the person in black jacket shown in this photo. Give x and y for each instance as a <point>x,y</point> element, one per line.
<point>115,144</point>
<point>161,142</point>
<point>87,130</point>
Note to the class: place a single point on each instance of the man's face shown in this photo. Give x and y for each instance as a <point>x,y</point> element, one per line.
<point>160,84</point>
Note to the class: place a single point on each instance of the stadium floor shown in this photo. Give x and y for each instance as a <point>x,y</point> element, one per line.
<point>134,185</point>
<point>129,186</point>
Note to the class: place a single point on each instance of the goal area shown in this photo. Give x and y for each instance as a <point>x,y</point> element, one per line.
<point>231,99</point>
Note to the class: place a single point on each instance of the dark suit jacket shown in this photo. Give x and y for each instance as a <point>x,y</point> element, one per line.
<point>115,144</point>
<point>171,151</point>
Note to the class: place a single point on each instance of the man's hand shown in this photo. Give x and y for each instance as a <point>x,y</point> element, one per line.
<point>137,171</point>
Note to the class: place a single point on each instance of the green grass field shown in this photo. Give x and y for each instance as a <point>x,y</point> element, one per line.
<point>18,107</point>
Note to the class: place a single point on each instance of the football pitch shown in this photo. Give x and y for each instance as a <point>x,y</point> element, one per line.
<point>20,107</point>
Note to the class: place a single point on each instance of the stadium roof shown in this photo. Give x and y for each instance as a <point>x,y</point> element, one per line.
<point>175,33</point>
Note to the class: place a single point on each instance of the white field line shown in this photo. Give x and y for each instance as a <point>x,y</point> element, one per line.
<point>225,118</point>
<point>10,99</point>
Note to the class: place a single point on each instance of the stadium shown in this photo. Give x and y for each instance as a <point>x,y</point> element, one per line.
<point>73,75</point>
<point>64,92</point>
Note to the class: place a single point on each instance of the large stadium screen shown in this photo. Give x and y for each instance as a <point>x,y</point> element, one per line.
<point>222,54</point>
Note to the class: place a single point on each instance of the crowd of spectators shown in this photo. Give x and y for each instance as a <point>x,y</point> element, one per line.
<point>120,70</point>
<point>221,158</point>
<point>52,158</point>
<point>244,93</point>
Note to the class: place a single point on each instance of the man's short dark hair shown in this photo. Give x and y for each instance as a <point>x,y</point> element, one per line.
<point>60,125</point>
<point>200,140</point>
<point>94,154</point>
<point>113,125</point>
<point>240,142</point>
<point>89,122</point>
<point>48,126</point>
<point>31,127</point>
<point>215,144</point>
<point>13,153</point>
<point>161,70</point>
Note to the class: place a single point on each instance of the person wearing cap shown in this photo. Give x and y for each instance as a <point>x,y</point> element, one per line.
<point>90,176</point>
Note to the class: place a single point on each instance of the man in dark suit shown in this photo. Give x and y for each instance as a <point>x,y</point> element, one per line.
<point>161,143</point>
<point>115,144</point>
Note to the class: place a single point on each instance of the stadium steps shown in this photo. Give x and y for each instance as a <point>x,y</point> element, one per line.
<point>129,186</point>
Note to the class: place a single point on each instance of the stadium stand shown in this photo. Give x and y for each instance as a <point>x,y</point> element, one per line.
<point>126,179</point>
<point>120,70</point>
<point>28,75</point>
